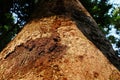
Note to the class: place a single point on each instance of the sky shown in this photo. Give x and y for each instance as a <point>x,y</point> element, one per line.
<point>115,2</point>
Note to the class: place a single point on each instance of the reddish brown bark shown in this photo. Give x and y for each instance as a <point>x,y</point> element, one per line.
<point>53,48</point>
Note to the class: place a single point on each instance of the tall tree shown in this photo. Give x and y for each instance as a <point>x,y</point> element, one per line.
<point>24,8</point>
<point>60,42</point>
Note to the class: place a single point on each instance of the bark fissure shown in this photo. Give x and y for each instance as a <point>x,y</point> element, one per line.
<point>27,53</point>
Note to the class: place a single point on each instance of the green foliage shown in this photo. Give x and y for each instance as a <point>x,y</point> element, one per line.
<point>116,17</point>
<point>99,10</point>
<point>8,28</point>
<point>116,22</point>
<point>112,39</point>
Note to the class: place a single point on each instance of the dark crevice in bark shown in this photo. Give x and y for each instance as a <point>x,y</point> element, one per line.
<point>84,22</point>
<point>38,53</point>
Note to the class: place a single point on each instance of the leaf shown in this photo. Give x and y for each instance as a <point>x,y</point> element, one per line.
<point>6,27</point>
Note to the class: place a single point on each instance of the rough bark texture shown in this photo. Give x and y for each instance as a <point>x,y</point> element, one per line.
<point>53,48</point>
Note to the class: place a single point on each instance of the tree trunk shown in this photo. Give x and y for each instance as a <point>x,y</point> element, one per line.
<point>51,47</point>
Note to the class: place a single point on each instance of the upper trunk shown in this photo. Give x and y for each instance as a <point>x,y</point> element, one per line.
<point>76,12</point>
<point>57,7</point>
<point>51,47</point>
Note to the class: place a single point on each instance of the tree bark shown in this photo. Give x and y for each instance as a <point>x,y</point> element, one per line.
<point>57,44</point>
